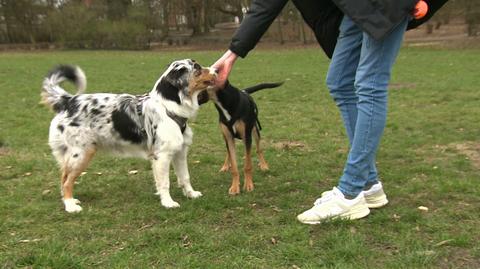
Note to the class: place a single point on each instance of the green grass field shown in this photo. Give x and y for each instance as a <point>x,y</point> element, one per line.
<point>429,156</point>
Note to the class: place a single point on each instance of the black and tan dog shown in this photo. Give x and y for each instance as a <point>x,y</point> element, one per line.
<point>238,116</point>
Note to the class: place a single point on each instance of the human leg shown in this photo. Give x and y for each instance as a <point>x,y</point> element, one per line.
<point>371,83</point>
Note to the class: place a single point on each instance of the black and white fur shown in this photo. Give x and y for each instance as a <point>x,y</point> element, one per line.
<point>152,126</point>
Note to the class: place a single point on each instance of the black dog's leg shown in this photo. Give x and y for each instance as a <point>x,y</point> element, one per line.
<point>247,166</point>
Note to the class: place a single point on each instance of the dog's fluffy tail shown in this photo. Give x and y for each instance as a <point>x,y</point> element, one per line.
<point>262,86</point>
<point>52,94</point>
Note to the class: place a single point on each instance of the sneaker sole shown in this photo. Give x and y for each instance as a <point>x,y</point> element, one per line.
<point>376,202</point>
<point>356,214</point>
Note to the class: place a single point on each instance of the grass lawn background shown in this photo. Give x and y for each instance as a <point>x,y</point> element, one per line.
<point>429,156</point>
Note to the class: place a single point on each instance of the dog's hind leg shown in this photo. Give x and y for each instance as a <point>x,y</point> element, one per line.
<point>161,172</point>
<point>183,176</point>
<point>74,164</point>
<point>261,158</point>
<point>230,141</point>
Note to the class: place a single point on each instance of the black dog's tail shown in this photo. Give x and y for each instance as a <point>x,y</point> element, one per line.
<point>52,94</point>
<point>262,86</point>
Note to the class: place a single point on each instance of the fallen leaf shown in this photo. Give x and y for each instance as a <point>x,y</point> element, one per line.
<point>186,242</point>
<point>423,208</point>
<point>145,227</point>
<point>27,174</point>
<point>444,242</point>
<point>83,173</point>
<point>276,209</point>
<point>426,253</point>
<point>45,192</point>
<point>29,241</point>
<point>133,172</point>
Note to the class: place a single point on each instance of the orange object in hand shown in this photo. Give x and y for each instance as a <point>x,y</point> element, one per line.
<point>420,10</point>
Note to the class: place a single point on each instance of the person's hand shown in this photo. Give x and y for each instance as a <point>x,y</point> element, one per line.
<point>420,10</point>
<point>223,66</point>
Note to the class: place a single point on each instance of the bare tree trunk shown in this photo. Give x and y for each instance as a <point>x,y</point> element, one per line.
<point>206,15</point>
<point>235,8</point>
<point>193,10</point>
<point>302,31</point>
<point>165,24</point>
<point>280,30</point>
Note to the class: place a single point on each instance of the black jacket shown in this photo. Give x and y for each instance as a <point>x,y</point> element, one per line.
<point>375,17</point>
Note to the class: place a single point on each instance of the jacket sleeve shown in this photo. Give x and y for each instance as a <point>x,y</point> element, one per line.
<point>256,22</point>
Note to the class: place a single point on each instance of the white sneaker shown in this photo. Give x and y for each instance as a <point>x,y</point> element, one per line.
<point>334,205</point>
<point>375,197</point>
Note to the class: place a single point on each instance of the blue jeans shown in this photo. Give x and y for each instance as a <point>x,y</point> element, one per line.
<point>358,78</point>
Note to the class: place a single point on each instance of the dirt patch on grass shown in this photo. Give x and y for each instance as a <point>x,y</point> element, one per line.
<point>289,145</point>
<point>471,150</point>
<point>4,151</point>
<point>398,86</point>
<point>459,258</point>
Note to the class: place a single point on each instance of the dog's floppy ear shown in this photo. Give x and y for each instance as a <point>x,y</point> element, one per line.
<point>176,77</point>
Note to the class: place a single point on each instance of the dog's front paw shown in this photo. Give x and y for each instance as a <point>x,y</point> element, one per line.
<point>193,194</point>
<point>248,186</point>
<point>170,204</point>
<point>71,205</point>
<point>234,190</point>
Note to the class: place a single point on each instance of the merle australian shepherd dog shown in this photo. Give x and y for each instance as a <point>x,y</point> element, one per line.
<point>152,126</point>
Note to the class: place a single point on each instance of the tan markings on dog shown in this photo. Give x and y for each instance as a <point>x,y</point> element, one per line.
<point>261,158</point>
<point>202,81</point>
<point>64,177</point>
<point>247,165</point>
<point>247,168</point>
<point>230,141</point>
<point>240,129</point>
<point>72,168</point>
